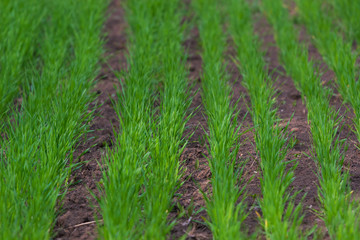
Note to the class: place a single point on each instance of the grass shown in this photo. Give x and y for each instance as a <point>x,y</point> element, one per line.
<point>37,150</point>
<point>50,52</point>
<point>143,170</point>
<point>337,53</point>
<point>334,192</point>
<point>346,11</point>
<point>281,218</point>
<point>164,172</point>
<point>20,33</point>
<point>225,206</point>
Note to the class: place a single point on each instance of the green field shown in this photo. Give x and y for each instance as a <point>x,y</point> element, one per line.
<point>174,119</point>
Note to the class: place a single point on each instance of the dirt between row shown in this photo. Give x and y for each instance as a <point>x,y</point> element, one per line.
<point>76,220</point>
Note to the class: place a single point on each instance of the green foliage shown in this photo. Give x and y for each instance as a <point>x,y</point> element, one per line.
<point>338,55</point>
<point>324,124</point>
<point>336,52</point>
<point>38,144</point>
<point>19,34</point>
<point>223,207</point>
<point>142,170</point>
<point>347,17</point>
<point>281,218</point>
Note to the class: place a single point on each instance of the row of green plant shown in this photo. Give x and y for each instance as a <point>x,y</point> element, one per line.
<point>338,211</point>
<point>19,36</point>
<point>336,52</point>
<point>225,205</point>
<point>142,170</point>
<point>281,218</point>
<point>346,17</point>
<point>39,140</point>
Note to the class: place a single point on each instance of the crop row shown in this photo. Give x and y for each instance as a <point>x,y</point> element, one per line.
<point>38,141</point>
<point>336,52</point>
<point>280,217</point>
<point>142,171</point>
<point>334,192</point>
<point>345,14</point>
<point>19,32</point>
<point>222,121</point>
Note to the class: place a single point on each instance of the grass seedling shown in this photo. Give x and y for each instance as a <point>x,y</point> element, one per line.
<point>337,53</point>
<point>123,173</point>
<point>143,171</point>
<point>281,219</point>
<point>334,192</point>
<point>225,211</point>
<point>36,155</point>
<point>19,34</point>
<point>163,172</point>
<point>346,13</point>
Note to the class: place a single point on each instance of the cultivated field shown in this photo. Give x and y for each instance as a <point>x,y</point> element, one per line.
<point>179,119</point>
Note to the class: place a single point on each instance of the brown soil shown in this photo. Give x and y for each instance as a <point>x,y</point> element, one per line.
<point>76,220</point>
